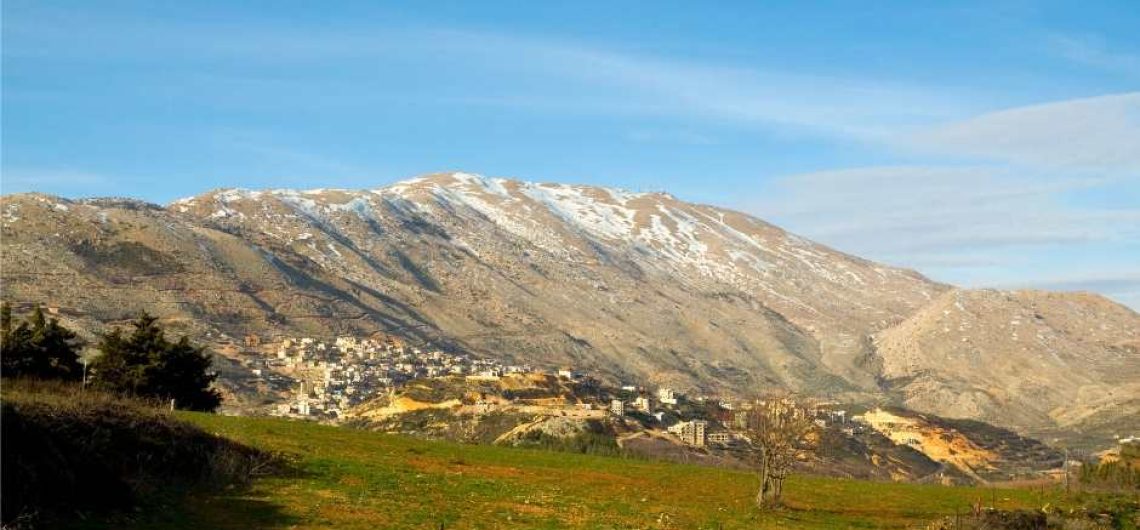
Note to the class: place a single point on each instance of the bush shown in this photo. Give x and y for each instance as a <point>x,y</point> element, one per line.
<point>144,363</point>
<point>592,441</point>
<point>37,347</point>
<point>1118,475</point>
<point>69,451</point>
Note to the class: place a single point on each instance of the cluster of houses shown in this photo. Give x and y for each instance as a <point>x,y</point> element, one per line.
<point>643,403</point>
<point>695,432</point>
<point>701,432</point>
<point>330,377</point>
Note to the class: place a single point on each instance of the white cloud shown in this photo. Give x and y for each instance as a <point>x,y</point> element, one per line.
<point>1014,212</point>
<point>670,136</point>
<point>289,157</point>
<point>866,109</point>
<point>505,69</point>
<point>566,76</point>
<point>14,180</point>
<point>1096,281</point>
<point>1099,132</point>
<point>1120,285</point>
<point>1093,50</point>
<point>976,225</point>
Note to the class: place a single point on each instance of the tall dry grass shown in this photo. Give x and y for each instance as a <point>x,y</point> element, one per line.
<point>69,451</point>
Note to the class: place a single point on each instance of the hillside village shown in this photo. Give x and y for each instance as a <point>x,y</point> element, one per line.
<point>383,382</point>
<point>332,380</point>
<point>322,380</point>
<point>542,272</point>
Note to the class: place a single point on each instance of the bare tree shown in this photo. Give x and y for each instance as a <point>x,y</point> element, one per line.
<point>781,431</point>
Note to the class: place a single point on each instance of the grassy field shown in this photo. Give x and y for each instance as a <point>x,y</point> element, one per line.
<point>346,478</point>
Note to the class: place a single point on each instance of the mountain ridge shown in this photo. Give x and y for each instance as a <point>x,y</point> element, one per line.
<point>631,285</point>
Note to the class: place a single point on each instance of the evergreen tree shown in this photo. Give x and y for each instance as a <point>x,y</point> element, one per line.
<point>15,344</point>
<point>5,321</point>
<point>145,363</point>
<point>38,347</point>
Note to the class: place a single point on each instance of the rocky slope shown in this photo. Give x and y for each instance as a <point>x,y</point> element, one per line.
<point>632,286</point>
<point>525,409</point>
<point>1023,359</point>
<point>975,449</point>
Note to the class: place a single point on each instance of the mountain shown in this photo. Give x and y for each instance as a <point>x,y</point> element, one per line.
<point>631,286</point>
<point>1024,359</point>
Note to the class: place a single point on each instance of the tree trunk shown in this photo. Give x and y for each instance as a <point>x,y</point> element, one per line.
<point>777,490</point>
<point>765,488</point>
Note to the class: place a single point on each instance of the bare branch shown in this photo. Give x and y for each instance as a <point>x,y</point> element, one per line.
<point>781,431</point>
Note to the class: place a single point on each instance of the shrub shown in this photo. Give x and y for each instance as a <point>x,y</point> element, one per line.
<point>68,451</point>
<point>144,363</point>
<point>37,347</point>
<point>594,440</point>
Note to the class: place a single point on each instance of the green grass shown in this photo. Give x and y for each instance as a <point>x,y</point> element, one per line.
<point>346,478</point>
<point>69,453</point>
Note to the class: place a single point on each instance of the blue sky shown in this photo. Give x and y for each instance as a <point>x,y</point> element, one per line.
<point>985,144</point>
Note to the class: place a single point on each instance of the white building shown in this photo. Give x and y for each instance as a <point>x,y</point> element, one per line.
<point>572,375</point>
<point>691,432</point>
<point>666,396</point>
<point>719,437</point>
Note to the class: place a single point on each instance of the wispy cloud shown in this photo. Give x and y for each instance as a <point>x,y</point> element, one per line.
<point>298,160</point>
<point>670,136</point>
<point>1094,51</point>
<point>998,205</point>
<point>511,70</point>
<point>867,109</point>
<point>981,190</point>
<point>973,225</point>
<point>1097,281</point>
<point>883,210</point>
<point>65,181</point>
<point>1121,285</point>
<point>1099,132</point>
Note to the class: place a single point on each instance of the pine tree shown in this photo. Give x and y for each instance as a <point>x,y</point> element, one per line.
<point>5,321</point>
<point>15,351</point>
<point>145,363</point>
<point>38,347</point>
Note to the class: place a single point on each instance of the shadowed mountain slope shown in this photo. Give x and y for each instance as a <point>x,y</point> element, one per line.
<point>632,286</point>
